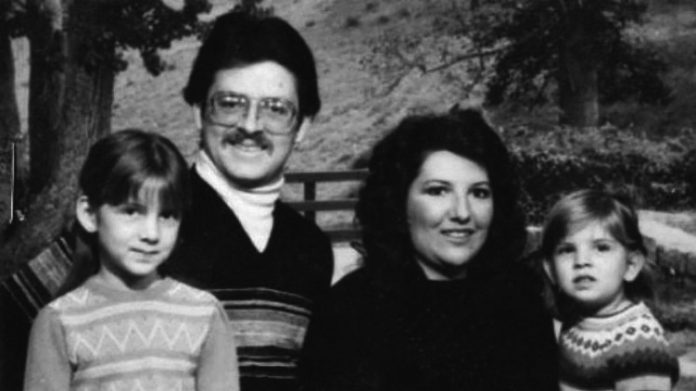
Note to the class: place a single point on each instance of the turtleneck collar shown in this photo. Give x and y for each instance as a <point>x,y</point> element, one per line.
<point>253,207</point>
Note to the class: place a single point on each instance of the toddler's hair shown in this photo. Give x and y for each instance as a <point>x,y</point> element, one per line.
<point>615,213</point>
<point>116,169</point>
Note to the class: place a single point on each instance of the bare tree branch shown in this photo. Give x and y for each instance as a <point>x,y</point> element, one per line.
<point>464,57</point>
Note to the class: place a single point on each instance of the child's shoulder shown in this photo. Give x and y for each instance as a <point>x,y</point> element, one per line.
<point>639,315</point>
<point>633,328</point>
<point>80,297</point>
<point>635,319</point>
<point>183,292</point>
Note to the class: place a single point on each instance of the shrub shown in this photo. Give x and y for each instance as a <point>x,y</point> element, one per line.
<point>371,7</point>
<point>351,22</point>
<point>383,19</point>
<point>673,302</point>
<point>660,185</point>
<point>553,161</point>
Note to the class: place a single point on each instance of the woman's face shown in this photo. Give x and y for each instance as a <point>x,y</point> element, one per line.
<point>449,209</point>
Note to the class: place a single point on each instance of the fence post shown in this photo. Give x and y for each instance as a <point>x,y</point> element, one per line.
<point>310,194</point>
<point>13,179</point>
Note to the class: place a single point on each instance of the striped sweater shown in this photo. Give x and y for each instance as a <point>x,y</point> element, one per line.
<point>269,296</point>
<point>167,337</point>
<point>626,351</point>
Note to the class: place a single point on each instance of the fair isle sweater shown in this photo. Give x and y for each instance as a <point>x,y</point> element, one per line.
<point>168,337</point>
<point>623,351</point>
<point>269,295</point>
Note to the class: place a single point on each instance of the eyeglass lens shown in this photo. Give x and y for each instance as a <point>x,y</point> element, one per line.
<point>276,114</point>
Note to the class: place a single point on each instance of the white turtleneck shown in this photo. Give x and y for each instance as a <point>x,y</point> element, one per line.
<point>253,207</point>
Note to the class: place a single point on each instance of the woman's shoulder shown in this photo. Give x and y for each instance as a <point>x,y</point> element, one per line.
<point>356,282</point>
<point>516,277</point>
<point>360,291</point>
<point>515,290</point>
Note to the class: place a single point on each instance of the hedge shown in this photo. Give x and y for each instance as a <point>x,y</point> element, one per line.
<point>546,176</point>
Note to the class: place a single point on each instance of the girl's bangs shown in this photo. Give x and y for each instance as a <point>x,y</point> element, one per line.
<point>166,192</point>
<point>146,187</point>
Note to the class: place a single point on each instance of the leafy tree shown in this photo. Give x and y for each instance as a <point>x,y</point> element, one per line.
<point>253,7</point>
<point>576,53</point>
<point>441,46</point>
<point>580,47</point>
<point>75,52</point>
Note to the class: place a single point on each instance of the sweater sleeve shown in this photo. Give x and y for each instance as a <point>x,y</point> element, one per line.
<point>530,350</point>
<point>218,367</point>
<point>645,361</point>
<point>539,356</point>
<point>48,367</point>
<point>337,353</point>
<point>645,383</point>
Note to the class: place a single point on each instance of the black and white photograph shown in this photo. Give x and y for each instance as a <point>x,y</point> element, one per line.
<point>347,195</point>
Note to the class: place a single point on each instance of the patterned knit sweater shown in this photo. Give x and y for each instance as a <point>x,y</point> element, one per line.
<point>622,351</point>
<point>167,337</point>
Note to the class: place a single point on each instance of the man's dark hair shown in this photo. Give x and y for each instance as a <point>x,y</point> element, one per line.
<point>239,39</point>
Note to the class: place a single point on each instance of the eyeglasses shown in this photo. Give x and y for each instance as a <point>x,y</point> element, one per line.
<point>275,115</point>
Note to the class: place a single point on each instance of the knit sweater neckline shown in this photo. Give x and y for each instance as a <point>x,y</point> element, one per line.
<point>156,289</point>
<point>599,322</point>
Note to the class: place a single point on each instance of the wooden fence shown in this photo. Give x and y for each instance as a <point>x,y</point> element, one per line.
<point>310,205</point>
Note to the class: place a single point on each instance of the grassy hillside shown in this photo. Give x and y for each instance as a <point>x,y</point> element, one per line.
<point>355,110</point>
<point>366,89</point>
<point>365,94</point>
<point>360,103</point>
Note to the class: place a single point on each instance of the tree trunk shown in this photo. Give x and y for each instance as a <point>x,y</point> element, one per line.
<point>70,107</point>
<point>9,123</point>
<point>577,76</point>
<point>49,65</point>
<point>9,113</point>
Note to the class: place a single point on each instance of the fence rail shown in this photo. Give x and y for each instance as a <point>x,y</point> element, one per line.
<point>310,205</point>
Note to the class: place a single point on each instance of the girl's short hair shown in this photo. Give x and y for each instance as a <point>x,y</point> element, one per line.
<point>395,163</point>
<point>617,216</point>
<point>118,165</point>
<point>115,170</point>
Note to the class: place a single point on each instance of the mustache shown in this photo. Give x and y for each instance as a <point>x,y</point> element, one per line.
<point>240,135</point>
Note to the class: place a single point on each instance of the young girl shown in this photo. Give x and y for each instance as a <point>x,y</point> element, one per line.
<point>594,255</point>
<point>123,326</point>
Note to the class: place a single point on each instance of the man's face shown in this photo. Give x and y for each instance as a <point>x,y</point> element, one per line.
<point>249,151</point>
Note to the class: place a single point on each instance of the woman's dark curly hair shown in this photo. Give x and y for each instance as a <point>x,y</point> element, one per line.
<point>395,163</point>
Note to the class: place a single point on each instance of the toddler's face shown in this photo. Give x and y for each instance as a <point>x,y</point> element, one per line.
<point>590,267</point>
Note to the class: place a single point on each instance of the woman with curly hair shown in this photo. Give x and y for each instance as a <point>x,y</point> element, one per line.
<point>441,302</point>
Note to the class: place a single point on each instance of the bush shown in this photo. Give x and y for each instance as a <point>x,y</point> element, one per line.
<point>546,176</point>
<point>673,302</point>
<point>659,175</point>
<point>352,22</point>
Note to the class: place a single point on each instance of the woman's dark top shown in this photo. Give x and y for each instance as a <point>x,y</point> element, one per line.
<point>377,331</point>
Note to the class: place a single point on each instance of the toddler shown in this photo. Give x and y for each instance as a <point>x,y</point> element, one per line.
<point>594,255</point>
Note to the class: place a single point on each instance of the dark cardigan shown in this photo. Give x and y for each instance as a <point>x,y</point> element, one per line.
<point>387,332</point>
<point>273,291</point>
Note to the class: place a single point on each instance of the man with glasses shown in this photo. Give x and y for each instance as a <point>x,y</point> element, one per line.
<point>254,91</point>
